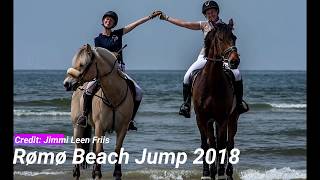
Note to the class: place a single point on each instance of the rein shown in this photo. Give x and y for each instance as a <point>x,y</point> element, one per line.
<point>106,100</point>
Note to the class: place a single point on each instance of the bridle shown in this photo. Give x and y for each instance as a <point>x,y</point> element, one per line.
<point>225,57</point>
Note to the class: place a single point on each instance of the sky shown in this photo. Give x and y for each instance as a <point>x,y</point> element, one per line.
<point>271,35</point>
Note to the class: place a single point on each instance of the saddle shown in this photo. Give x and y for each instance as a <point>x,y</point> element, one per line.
<point>228,72</point>
<point>129,82</point>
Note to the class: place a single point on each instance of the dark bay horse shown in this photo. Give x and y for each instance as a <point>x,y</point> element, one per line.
<point>214,99</point>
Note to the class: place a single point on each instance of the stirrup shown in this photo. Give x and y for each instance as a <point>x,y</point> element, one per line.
<point>86,120</point>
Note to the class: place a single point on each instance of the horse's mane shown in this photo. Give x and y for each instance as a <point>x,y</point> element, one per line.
<point>105,53</point>
<point>97,51</point>
<point>81,52</point>
<point>220,30</point>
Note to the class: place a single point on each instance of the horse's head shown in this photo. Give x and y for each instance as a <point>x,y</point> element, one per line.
<point>220,43</point>
<point>82,70</point>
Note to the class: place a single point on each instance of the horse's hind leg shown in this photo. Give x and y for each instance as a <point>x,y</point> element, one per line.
<point>120,137</point>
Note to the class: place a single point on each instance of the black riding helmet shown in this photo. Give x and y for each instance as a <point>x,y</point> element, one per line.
<point>208,5</point>
<point>113,15</point>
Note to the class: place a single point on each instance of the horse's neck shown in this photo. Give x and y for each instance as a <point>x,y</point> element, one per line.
<point>213,68</point>
<point>212,72</point>
<point>112,84</point>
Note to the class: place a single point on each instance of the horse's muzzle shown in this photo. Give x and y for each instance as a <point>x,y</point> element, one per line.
<point>68,86</point>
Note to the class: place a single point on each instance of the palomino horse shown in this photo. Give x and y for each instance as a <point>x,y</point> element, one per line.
<point>112,105</point>
<point>214,99</point>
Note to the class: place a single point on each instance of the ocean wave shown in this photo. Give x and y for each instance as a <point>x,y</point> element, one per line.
<point>285,173</point>
<point>48,102</point>
<point>32,173</point>
<point>276,105</point>
<point>295,151</point>
<point>284,105</point>
<point>45,113</point>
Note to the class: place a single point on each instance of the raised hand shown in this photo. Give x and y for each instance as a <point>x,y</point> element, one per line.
<point>154,14</point>
<point>163,16</point>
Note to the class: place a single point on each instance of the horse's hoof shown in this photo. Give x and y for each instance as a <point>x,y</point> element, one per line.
<point>206,174</point>
<point>229,171</point>
<point>96,174</point>
<point>229,178</point>
<point>205,178</point>
<point>117,175</point>
<point>213,171</point>
<point>93,175</point>
<point>205,171</point>
<point>76,173</point>
<point>221,171</point>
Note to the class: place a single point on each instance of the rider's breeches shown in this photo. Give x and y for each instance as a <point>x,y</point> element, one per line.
<point>201,61</point>
<point>91,86</point>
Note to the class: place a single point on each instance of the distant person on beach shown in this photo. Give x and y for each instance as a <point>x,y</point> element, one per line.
<point>112,40</point>
<point>210,9</point>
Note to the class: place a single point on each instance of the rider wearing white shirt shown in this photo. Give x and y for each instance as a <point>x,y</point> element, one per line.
<point>210,10</point>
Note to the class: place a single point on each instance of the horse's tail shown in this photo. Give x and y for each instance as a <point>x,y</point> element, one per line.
<point>86,146</point>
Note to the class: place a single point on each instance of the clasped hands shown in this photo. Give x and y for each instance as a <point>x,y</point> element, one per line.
<point>161,15</point>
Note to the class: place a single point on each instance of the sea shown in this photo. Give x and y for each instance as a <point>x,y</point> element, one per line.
<point>271,137</point>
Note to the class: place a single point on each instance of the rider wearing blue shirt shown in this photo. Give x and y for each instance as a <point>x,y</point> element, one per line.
<point>112,40</point>
<point>112,43</point>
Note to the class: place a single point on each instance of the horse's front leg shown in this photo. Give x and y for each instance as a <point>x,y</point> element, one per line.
<point>221,142</point>
<point>76,171</point>
<point>77,133</point>
<point>117,174</point>
<point>96,172</point>
<point>229,170</point>
<point>232,130</point>
<point>205,147</point>
<point>212,144</point>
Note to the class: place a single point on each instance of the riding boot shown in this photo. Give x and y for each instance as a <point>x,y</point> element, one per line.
<point>135,109</point>
<point>83,119</point>
<point>238,87</point>
<point>186,106</point>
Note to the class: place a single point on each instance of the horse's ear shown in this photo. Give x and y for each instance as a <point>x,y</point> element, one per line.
<point>88,48</point>
<point>230,23</point>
